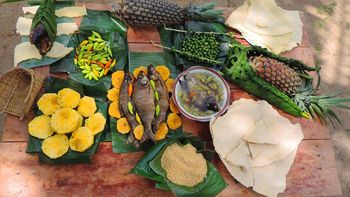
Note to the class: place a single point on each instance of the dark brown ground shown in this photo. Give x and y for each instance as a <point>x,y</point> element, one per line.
<point>330,38</point>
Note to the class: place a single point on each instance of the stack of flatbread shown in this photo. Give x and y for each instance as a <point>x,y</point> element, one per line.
<point>256,144</point>
<point>265,24</point>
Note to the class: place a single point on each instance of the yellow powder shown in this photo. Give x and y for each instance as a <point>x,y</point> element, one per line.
<point>183,165</point>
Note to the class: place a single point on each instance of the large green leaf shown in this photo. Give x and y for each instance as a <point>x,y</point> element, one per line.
<point>174,39</point>
<point>156,58</point>
<point>34,144</point>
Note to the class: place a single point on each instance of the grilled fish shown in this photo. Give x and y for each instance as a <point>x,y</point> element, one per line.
<point>143,98</point>
<point>124,99</point>
<point>163,97</point>
<point>200,99</point>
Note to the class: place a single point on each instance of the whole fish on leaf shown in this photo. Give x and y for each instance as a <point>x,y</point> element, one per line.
<point>161,98</point>
<point>124,102</point>
<point>143,98</point>
<point>197,97</point>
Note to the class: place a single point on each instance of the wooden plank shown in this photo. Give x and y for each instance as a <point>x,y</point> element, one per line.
<point>143,47</point>
<point>143,35</point>
<point>313,173</point>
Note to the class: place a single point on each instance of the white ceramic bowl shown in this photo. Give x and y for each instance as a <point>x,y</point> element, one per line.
<point>222,84</point>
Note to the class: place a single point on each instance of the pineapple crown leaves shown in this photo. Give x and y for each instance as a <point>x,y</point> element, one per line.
<point>320,106</point>
<point>205,12</point>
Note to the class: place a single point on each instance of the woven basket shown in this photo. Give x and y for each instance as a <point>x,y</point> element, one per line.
<point>19,88</point>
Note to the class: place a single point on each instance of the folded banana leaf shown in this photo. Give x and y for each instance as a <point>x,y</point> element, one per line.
<point>156,58</point>
<point>150,167</point>
<point>174,39</point>
<point>114,32</point>
<point>34,144</point>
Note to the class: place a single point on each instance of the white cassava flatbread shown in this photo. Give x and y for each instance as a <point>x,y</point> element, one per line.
<point>30,9</point>
<point>73,11</point>
<point>23,26</point>
<point>243,175</point>
<point>266,154</point>
<point>58,50</point>
<point>238,16</point>
<point>240,156</point>
<point>25,51</point>
<point>271,180</point>
<point>269,130</point>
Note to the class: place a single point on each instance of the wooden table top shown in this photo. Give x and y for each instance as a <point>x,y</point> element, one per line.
<point>313,173</point>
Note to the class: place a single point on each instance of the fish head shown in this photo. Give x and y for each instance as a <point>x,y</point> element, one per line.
<point>142,79</point>
<point>152,73</point>
<point>211,104</point>
<point>128,77</point>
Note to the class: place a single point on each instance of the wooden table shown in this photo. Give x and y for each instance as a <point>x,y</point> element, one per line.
<point>313,173</point>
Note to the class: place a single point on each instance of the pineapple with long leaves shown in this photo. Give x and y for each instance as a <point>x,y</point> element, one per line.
<point>44,27</point>
<point>163,12</point>
<point>284,83</point>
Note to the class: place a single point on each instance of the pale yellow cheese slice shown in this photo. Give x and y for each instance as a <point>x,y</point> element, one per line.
<point>25,51</point>
<point>58,50</point>
<point>23,26</point>
<point>271,180</point>
<point>74,11</point>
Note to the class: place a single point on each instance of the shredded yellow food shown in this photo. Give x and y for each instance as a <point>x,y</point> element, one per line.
<point>174,121</point>
<point>68,98</point>
<point>123,126</point>
<point>40,127</point>
<point>117,78</point>
<point>87,106</point>
<point>48,103</point>
<point>163,71</point>
<point>55,146</point>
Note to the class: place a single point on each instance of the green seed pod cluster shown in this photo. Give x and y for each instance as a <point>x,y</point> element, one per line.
<point>201,46</point>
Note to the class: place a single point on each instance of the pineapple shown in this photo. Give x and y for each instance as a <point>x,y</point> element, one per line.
<point>96,123</point>
<point>48,103</point>
<point>40,127</point>
<point>87,106</point>
<point>55,146</point>
<point>65,120</point>
<point>81,139</point>
<point>163,12</point>
<point>68,98</point>
<point>276,73</point>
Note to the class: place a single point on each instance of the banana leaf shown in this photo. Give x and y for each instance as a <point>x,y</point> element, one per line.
<point>150,167</point>
<point>113,31</point>
<point>156,58</point>
<point>34,144</point>
<point>174,39</point>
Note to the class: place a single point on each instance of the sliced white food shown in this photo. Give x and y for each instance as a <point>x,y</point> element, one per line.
<point>240,156</point>
<point>271,180</point>
<point>238,16</point>
<point>23,26</point>
<point>266,154</point>
<point>241,174</point>
<point>25,51</point>
<point>73,11</point>
<point>30,9</point>
<point>58,50</point>
<point>269,130</point>
<point>66,28</point>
